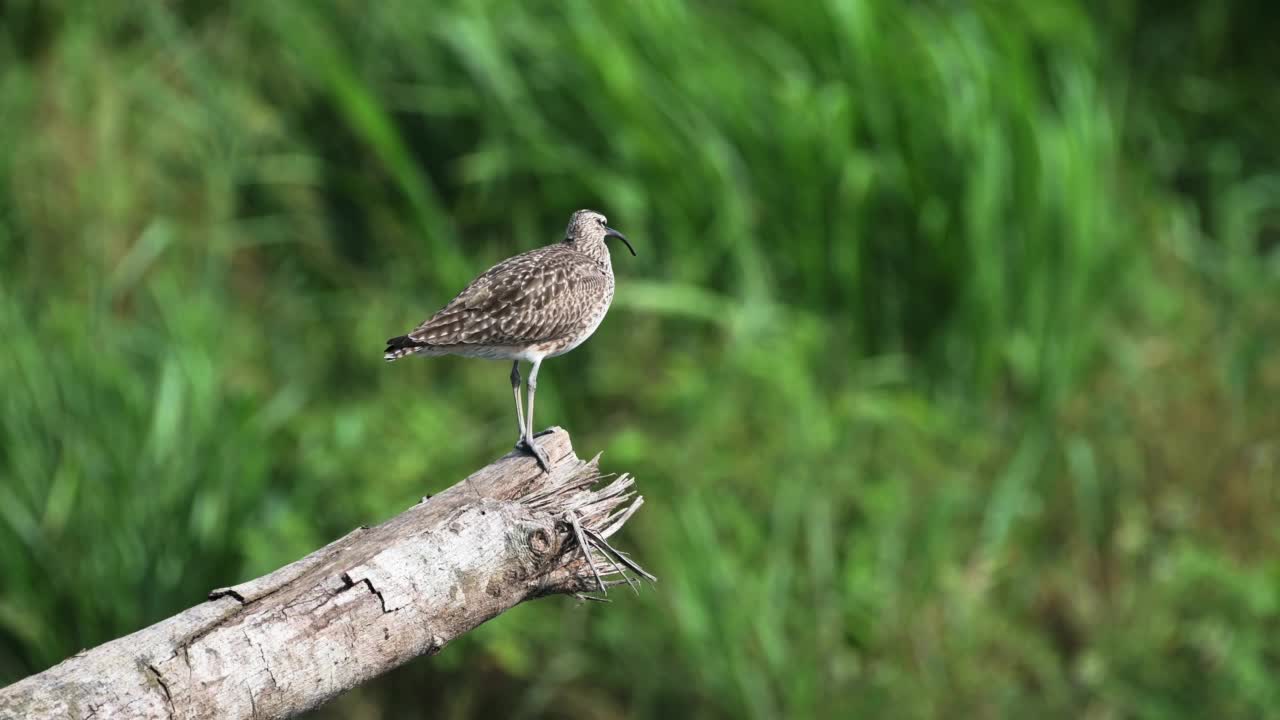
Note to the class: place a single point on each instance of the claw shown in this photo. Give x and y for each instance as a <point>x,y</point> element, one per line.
<point>527,444</point>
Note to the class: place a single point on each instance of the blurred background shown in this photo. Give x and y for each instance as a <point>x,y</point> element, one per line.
<point>948,366</point>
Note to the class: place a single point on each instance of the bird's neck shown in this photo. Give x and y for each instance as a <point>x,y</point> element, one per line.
<point>597,251</point>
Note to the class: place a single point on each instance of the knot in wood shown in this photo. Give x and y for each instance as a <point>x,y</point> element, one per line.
<point>539,542</point>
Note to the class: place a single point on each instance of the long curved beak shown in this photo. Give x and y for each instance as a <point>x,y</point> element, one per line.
<point>610,232</point>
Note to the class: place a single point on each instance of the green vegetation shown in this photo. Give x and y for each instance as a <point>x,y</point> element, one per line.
<point>948,366</point>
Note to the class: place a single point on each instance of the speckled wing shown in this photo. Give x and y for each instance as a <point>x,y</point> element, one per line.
<point>535,297</point>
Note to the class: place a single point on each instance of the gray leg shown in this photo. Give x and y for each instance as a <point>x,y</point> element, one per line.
<point>533,388</point>
<point>515,388</point>
<point>527,439</point>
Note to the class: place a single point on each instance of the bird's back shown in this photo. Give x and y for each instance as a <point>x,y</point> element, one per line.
<point>541,302</point>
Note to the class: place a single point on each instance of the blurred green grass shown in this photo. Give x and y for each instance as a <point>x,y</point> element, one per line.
<point>947,365</point>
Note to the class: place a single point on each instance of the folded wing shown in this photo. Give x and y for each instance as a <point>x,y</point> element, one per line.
<point>526,299</point>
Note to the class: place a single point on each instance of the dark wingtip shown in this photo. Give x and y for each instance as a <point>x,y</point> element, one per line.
<point>400,346</point>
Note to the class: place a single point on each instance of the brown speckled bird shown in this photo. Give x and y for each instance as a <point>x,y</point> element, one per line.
<point>533,306</point>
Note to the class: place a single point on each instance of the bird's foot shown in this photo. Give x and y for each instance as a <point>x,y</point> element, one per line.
<point>526,443</point>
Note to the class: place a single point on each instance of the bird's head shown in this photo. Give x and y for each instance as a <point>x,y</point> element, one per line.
<point>589,226</point>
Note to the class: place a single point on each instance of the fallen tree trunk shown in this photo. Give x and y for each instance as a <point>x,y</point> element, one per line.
<point>369,602</point>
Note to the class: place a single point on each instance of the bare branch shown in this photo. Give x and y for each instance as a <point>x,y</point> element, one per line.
<point>288,641</point>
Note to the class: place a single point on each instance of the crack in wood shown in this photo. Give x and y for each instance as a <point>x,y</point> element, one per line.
<point>227,592</point>
<point>168,698</point>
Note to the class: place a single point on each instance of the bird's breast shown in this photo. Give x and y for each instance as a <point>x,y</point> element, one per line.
<point>588,327</point>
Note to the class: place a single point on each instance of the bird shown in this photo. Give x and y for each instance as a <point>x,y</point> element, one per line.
<point>535,305</point>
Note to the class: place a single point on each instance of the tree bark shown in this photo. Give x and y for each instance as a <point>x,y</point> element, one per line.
<point>288,641</point>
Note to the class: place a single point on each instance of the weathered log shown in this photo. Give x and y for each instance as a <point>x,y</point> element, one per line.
<point>288,641</point>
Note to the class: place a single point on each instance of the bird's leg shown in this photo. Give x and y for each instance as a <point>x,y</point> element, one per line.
<point>527,438</point>
<point>515,389</point>
<point>533,389</point>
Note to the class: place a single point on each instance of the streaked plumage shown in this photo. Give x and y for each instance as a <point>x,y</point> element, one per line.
<point>535,305</point>
<point>538,302</point>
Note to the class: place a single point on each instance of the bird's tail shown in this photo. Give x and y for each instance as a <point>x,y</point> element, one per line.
<point>398,347</point>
